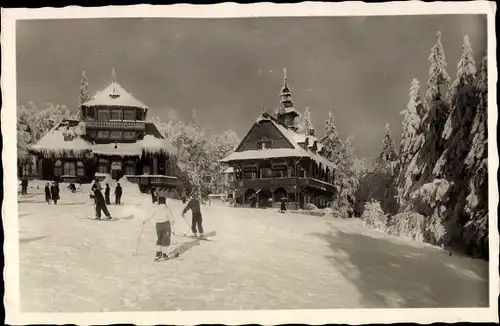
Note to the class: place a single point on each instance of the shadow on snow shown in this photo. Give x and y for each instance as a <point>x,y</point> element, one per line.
<point>390,274</point>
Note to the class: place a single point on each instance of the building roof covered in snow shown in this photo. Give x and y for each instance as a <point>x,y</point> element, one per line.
<point>115,95</point>
<point>302,146</point>
<point>70,136</point>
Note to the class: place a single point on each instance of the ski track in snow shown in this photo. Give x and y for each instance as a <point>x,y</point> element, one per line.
<point>260,260</point>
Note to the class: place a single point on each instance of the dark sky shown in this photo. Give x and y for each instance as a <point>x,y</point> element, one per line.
<point>360,68</point>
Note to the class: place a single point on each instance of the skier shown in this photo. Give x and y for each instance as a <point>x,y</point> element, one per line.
<point>164,220</point>
<point>47,193</point>
<point>283,205</point>
<point>197,220</point>
<point>72,187</point>
<point>153,195</point>
<point>100,204</point>
<point>106,194</point>
<point>118,194</point>
<point>54,193</point>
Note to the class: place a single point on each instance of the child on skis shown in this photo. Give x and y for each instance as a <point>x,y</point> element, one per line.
<point>197,220</point>
<point>164,219</point>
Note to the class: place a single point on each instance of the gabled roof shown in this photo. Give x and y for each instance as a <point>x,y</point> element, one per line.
<point>294,138</point>
<point>115,95</point>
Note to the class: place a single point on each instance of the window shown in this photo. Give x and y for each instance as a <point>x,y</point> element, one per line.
<point>138,115</point>
<point>69,168</point>
<point>103,134</point>
<point>128,115</point>
<point>103,114</point>
<point>58,168</point>
<point>129,134</point>
<point>116,114</point>
<point>291,172</point>
<point>80,171</point>
<point>250,172</point>
<point>103,166</point>
<point>279,171</point>
<point>130,168</point>
<point>266,173</point>
<point>264,143</point>
<point>146,169</point>
<point>116,134</point>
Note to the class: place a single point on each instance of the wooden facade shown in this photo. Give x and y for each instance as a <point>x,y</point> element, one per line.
<point>111,138</point>
<point>273,162</point>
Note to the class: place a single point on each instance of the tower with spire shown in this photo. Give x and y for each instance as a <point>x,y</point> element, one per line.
<point>286,113</point>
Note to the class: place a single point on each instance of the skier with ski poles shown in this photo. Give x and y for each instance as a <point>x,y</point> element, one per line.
<point>164,219</point>
<point>197,220</point>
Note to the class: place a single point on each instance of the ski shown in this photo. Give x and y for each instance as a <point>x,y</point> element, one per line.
<point>102,219</point>
<point>168,258</point>
<point>193,237</point>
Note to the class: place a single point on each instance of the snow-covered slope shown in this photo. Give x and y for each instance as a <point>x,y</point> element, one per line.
<point>259,259</point>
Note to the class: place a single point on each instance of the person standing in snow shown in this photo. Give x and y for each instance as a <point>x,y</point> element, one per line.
<point>54,193</point>
<point>100,203</point>
<point>106,194</point>
<point>197,220</point>
<point>47,193</point>
<point>153,195</point>
<point>118,194</point>
<point>283,205</point>
<point>164,219</point>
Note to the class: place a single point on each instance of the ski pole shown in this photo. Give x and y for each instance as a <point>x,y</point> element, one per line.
<point>139,241</point>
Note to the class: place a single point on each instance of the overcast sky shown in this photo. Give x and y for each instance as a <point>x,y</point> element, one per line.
<point>360,68</point>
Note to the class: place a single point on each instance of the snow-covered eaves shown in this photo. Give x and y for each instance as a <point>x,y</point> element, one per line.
<point>294,138</point>
<point>152,144</point>
<point>61,140</point>
<point>118,149</point>
<point>115,95</point>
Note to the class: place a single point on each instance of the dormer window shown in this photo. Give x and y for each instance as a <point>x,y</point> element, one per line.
<point>264,143</point>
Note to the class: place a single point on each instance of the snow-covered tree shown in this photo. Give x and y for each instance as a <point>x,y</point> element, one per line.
<point>476,163</point>
<point>346,179</point>
<point>194,120</point>
<point>388,154</point>
<point>462,99</point>
<point>331,138</point>
<point>374,216</point>
<point>306,126</point>
<point>83,96</point>
<point>437,109</point>
<point>412,139</point>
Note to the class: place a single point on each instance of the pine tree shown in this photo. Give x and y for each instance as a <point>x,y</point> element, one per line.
<point>84,94</point>
<point>331,138</point>
<point>412,139</point>
<point>437,110</point>
<point>306,125</point>
<point>463,105</point>
<point>388,153</point>
<point>476,204</point>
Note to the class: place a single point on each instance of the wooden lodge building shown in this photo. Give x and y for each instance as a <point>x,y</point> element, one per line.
<point>274,161</point>
<point>112,138</point>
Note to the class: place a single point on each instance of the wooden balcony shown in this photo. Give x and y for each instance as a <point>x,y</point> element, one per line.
<point>116,124</point>
<point>148,181</point>
<point>274,183</point>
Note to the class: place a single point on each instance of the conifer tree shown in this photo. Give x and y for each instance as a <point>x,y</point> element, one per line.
<point>306,125</point>
<point>463,105</point>
<point>412,139</point>
<point>84,93</point>
<point>476,204</point>
<point>388,152</point>
<point>437,110</point>
<point>331,138</point>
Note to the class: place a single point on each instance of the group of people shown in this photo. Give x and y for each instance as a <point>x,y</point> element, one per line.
<point>52,192</point>
<point>164,220</point>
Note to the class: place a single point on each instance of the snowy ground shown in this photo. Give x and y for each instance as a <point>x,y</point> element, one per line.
<point>259,259</point>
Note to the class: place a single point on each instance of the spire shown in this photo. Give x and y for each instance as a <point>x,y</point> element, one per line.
<point>286,95</point>
<point>113,94</point>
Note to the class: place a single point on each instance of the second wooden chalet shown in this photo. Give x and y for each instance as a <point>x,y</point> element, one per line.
<point>274,161</point>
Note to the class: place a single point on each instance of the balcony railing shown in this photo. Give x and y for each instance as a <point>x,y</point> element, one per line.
<point>153,180</point>
<point>283,182</point>
<point>116,124</point>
